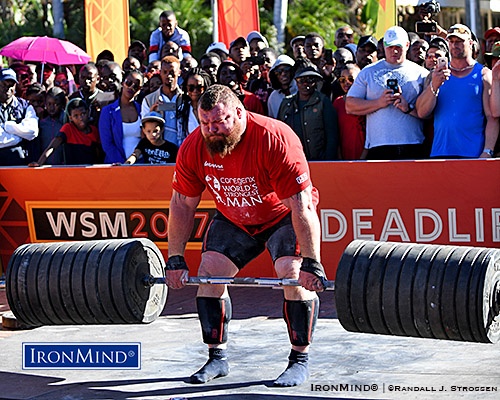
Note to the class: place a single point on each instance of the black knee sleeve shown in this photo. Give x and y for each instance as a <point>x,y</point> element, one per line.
<point>214,314</point>
<point>300,317</point>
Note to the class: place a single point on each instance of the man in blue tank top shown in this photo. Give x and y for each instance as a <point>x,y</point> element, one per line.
<point>459,96</point>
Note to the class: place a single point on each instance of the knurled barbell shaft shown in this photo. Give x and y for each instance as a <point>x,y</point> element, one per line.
<point>237,281</point>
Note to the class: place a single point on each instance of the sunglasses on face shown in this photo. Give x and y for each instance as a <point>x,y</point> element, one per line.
<point>132,84</point>
<point>307,79</point>
<point>342,34</point>
<point>192,88</point>
<point>344,79</point>
<point>458,29</point>
<point>59,83</point>
<point>284,70</point>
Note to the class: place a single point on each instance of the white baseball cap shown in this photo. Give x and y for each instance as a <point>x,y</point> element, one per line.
<point>217,46</point>
<point>396,36</point>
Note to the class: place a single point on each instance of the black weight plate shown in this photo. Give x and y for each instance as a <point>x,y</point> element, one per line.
<point>374,282</point>
<point>491,298</point>
<point>13,276</point>
<point>476,296</point>
<point>358,287</point>
<point>462,294</point>
<point>435,297</point>
<point>44,284</point>
<point>155,296</point>
<point>390,287</point>
<point>29,289</point>
<point>420,284</point>
<point>67,295</point>
<point>343,284</point>
<point>453,267</point>
<point>90,283</point>
<point>133,261</point>
<point>104,279</point>
<point>78,281</point>
<point>54,284</point>
<point>410,261</point>
<point>119,274</point>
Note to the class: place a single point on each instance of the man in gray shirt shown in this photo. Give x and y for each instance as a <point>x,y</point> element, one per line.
<point>386,92</point>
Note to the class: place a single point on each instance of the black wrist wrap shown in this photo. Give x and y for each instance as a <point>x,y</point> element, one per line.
<point>314,267</point>
<point>176,262</point>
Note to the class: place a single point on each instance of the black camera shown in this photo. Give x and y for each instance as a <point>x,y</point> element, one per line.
<point>256,60</point>
<point>431,7</point>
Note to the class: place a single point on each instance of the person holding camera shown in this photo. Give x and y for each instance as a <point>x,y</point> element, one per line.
<point>427,26</point>
<point>386,92</point>
<point>459,96</point>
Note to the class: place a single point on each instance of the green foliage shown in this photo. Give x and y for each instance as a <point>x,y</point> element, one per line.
<point>323,17</point>
<point>369,13</point>
<point>195,16</point>
<point>21,18</point>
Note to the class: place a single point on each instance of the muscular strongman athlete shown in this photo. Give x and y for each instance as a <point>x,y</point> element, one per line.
<point>257,173</point>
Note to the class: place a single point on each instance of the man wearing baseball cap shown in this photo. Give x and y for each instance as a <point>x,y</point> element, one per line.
<point>239,50</point>
<point>464,128</point>
<point>366,52</point>
<point>386,92</point>
<point>18,121</point>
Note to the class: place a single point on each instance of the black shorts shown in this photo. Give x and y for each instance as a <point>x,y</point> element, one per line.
<point>240,247</point>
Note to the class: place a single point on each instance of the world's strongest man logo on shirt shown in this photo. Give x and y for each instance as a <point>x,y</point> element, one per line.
<point>234,192</point>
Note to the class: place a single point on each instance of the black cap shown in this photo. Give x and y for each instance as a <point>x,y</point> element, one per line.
<point>368,40</point>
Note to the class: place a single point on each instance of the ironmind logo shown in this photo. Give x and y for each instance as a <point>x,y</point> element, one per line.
<point>59,221</point>
<point>81,356</point>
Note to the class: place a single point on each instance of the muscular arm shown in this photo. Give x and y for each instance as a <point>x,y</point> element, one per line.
<point>492,123</point>
<point>305,223</point>
<point>180,222</point>
<point>426,101</point>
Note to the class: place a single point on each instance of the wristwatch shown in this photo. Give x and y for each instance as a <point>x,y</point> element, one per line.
<point>411,107</point>
<point>489,152</point>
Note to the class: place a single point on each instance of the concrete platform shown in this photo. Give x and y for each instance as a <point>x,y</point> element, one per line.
<point>343,364</point>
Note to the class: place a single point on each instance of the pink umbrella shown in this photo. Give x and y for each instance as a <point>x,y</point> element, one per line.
<point>45,50</point>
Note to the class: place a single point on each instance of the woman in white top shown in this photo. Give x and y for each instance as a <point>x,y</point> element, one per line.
<point>195,84</point>
<point>120,121</point>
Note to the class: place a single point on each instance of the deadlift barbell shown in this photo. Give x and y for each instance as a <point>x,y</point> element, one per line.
<point>428,291</point>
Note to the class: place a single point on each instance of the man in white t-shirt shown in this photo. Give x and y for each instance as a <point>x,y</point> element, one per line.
<point>386,92</point>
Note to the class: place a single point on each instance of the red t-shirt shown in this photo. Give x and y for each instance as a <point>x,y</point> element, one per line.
<point>352,131</point>
<point>267,165</point>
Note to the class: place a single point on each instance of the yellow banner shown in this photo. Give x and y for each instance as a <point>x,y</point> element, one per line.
<point>107,25</point>
<point>386,17</point>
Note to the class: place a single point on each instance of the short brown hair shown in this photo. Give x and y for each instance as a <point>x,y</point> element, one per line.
<point>218,94</point>
<point>170,60</point>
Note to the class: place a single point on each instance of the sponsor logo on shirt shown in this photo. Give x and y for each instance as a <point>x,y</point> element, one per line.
<point>302,178</point>
<point>234,192</point>
<point>210,165</point>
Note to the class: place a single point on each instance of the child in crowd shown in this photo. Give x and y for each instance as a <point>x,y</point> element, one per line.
<point>153,148</point>
<point>82,144</point>
<point>35,94</point>
<point>50,126</point>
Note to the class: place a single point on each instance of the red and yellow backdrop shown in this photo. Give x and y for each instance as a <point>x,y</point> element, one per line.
<point>431,201</point>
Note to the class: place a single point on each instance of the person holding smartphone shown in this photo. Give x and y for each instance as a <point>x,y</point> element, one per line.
<point>386,92</point>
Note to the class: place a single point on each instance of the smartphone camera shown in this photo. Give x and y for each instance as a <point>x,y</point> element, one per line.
<point>425,27</point>
<point>329,56</point>
<point>393,85</point>
<point>442,62</point>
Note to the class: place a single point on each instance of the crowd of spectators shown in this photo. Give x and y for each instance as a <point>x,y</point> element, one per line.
<point>402,96</point>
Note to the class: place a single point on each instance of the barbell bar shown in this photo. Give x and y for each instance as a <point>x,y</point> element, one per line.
<point>235,281</point>
<point>404,289</point>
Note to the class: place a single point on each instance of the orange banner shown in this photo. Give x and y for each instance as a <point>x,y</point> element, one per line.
<point>237,18</point>
<point>430,201</point>
<point>107,27</point>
